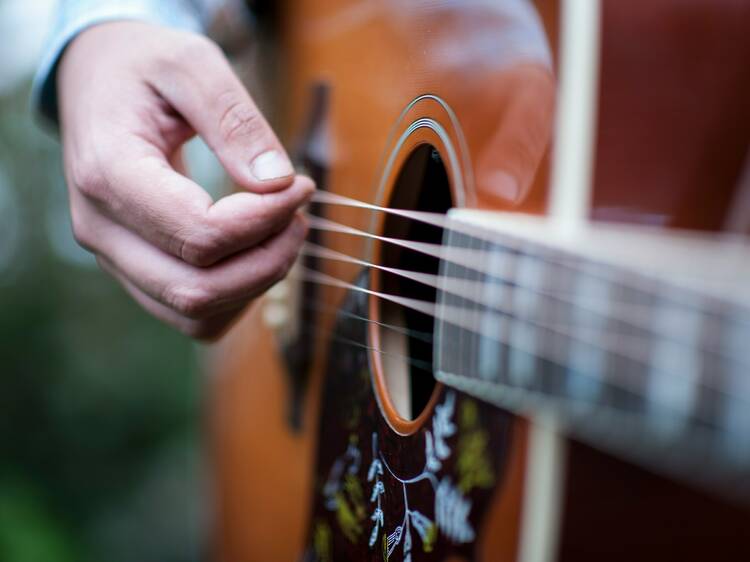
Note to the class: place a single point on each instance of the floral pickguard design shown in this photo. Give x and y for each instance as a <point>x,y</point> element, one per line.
<point>451,509</point>
<point>383,496</point>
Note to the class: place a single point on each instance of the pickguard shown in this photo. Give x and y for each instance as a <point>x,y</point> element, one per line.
<point>380,495</point>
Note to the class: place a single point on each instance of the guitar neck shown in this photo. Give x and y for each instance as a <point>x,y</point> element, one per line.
<point>635,340</point>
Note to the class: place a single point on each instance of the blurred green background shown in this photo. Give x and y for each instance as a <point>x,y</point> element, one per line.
<point>99,440</point>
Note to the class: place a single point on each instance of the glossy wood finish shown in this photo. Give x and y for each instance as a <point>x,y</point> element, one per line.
<point>672,142</point>
<point>493,64</point>
<point>673,116</point>
<point>375,58</point>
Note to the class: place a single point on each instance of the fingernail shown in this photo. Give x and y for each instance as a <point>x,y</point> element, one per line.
<point>271,165</point>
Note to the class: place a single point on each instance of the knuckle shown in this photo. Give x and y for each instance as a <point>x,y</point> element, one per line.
<point>81,232</point>
<point>206,330</point>
<point>266,211</point>
<point>238,120</point>
<point>83,229</point>
<point>276,270</point>
<point>192,49</point>
<point>201,249</point>
<point>86,177</point>
<point>187,52</point>
<point>266,269</point>
<point>286,266</point>
<point>190,299</point>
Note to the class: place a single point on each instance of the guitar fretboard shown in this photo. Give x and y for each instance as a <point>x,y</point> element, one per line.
<point>635,341</point>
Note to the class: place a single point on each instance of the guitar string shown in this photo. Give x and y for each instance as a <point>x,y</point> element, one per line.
<point>435,219</point>
<point>635,315</point>
<point>698,413</point>
<point>421,365</point>
<point>458,317</point>
<point>326,308</point>
<point>471,320</point>
<point>440,220</point>
<point>473,259</point>
<point>712,346</point>
<point>433,249</point>
<point>407,332</point>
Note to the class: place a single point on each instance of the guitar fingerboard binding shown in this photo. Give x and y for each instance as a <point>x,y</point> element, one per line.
<point>634,341</point>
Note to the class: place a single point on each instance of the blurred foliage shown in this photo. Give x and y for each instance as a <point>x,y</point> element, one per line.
<point>99,455</point>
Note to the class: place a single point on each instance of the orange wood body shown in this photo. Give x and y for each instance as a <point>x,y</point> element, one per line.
<point>660,114</point>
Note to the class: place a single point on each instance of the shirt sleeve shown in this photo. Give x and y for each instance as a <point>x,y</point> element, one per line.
<point>73,16</point>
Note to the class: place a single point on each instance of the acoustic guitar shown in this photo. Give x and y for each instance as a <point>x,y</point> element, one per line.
<point>519,329</point>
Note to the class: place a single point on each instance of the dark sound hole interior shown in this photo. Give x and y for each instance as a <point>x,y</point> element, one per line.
<point>421,185</point>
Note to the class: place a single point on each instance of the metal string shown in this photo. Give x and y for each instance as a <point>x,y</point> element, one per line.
<point>457,255</point>
<point>474,259</point>
<point>633,314</point>
<point>320,306</point>
<point>467,258</point>
<point>421,365</point>
<point>626,385</point>
<point>470,320</point>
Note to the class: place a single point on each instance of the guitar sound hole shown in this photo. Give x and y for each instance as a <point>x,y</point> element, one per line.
<point>406,336</point>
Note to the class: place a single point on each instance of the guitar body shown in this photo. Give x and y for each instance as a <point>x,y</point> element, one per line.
<point>332,439</point>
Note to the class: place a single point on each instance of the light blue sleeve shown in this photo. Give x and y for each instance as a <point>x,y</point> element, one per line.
<point>73,16</point>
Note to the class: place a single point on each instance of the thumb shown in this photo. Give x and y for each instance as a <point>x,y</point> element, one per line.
<point>204,89</point>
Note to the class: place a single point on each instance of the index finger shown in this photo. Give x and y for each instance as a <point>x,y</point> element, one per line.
<point>175,214</point>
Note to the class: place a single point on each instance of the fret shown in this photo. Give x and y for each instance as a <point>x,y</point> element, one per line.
<point>626,358</point>
<point>522,359</point>
<point>466,339</point>
<point>736,415</point>
<point>711,392</point>
<point>588,363</point>
<point>448,355</point>
<point>472,361</point>
<point>555,365</point>
<point>630,365</point>
<point>493,353</point>
<point>675,368</point>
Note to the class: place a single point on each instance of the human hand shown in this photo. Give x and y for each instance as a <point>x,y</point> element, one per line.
<point>131,94</point>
